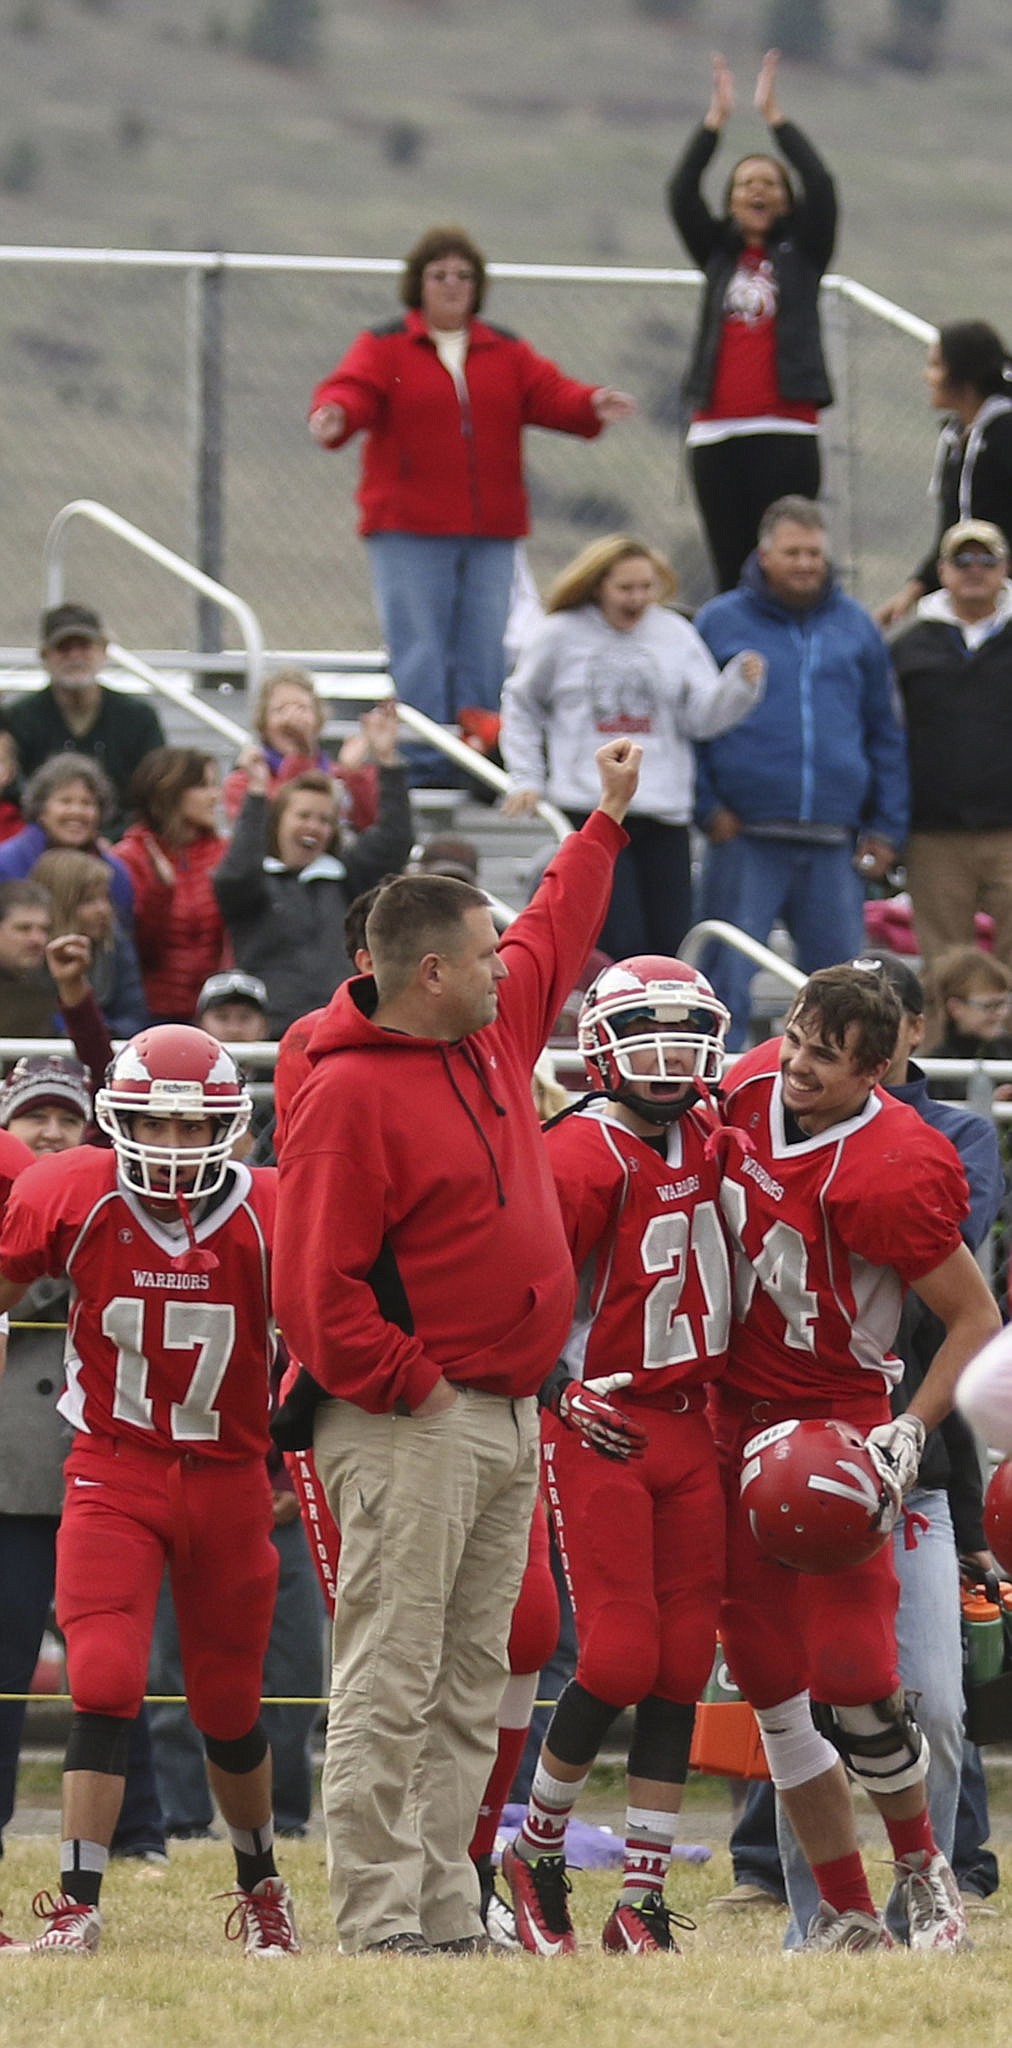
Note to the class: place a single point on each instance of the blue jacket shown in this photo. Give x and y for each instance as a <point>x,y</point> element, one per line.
<point>976,1141</point>
<point>19,854</point>
<point>825,746</point>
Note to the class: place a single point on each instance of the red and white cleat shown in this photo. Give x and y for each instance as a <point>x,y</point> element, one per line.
<point>928,1893</point>
<point>852,1931</point>
<point>644,1929</point>
<point>264,1920</point>
<point>9,1946</point>
<point>539,1892</point>
<point>73,1930</point>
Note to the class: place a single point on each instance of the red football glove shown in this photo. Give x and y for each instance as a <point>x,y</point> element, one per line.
<point>584,1406</point>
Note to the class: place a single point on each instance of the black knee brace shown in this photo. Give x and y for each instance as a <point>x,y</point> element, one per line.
<point>661,1738</point>
<point>881,1744</point>
<point>98,1742</point>
<point>579,1725</point>
<point>240,1756</point>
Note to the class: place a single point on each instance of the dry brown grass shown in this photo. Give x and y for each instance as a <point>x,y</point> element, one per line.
<point>166,1976</point>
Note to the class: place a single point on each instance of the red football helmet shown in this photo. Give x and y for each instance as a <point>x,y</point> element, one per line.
<point>654,1004</point>
<point>173,1070</point>
<point>998,1516</point>
<point>814,1498</point>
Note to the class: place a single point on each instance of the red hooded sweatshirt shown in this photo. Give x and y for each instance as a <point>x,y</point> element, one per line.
<point>419,1232</point>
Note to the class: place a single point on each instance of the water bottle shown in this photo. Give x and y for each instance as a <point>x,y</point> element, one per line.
<point>983,1636</point>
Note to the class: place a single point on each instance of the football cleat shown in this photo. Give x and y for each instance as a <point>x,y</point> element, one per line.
<point>641,1930</point>
<point>74,1930</point>
<point>264,1920</point>
<point>853,1931</point>
<point>929,1896</point>
<point>539,1891</point>
<point>9,1946</point>
<point>497,1915</point>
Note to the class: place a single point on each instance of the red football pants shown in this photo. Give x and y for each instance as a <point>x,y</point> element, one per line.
<point>784,1630</point>
<point>128,1512</point>
<point>642,1544</point>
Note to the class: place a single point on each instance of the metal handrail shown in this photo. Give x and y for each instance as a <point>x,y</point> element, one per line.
<point>253,641</point>
<point>729,935</point>
<point>103,515</point>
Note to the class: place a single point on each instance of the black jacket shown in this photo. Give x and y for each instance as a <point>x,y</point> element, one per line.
<point>958,707</point>
<point>973,477</point>
<point>288,929</point>
<point>800,245</point>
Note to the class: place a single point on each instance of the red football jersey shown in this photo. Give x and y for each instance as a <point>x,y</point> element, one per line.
<point>176,1359</point>
<point>828,1233</point>
<point>14,1157</point>
<point>649,1249</point>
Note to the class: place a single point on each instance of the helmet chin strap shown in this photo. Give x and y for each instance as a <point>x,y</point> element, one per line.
<point>659,1113</point>
<point>197,1258</point>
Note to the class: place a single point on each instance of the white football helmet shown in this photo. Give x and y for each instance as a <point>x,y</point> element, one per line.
<point>173,1070</point>
<point>674,1007</point>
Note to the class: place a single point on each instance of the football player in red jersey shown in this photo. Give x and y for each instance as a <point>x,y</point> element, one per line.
<point>14,1157</point>
<point>640,1529</point>
<point>838,1197</point>
<point>166,1242</point>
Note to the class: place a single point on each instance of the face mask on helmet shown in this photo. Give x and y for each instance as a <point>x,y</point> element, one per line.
<point>638,1022</point>
<point>173,1070</point>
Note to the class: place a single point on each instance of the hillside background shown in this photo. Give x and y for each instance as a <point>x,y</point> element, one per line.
<point>548,127</point>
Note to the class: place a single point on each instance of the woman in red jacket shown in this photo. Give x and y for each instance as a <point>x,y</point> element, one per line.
<point>170,853</point>
<point>443,399</point>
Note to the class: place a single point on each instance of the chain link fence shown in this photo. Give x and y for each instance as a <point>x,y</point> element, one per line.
<point>174,388</point>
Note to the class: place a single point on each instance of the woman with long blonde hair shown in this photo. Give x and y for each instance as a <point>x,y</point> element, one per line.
<point>611,658</point>
<point>78,885</point>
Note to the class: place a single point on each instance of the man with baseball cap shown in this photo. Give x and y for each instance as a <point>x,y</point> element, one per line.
<point>74,710</point>
<point>232,1006</point>
<point>954,667</point>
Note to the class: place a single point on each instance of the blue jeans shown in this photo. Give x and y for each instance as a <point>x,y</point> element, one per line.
<point>443,602</point>
<point>931,1666</point>
<point>815,891</point>
<point>293,1666</point>
<point>976,1868</point>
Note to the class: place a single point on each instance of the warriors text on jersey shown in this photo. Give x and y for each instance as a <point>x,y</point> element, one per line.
<point>156,1353</point>
<point>828,1232</point>
<point>649,1249</point>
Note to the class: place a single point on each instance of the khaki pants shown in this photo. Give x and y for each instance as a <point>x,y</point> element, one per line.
<point>434,1517</point>
<point>951,875</point>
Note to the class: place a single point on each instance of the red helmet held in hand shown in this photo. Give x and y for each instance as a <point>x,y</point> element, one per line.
<point>814,1498</point>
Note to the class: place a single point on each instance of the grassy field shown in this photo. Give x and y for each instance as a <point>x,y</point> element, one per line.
<point>165,1974</point>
